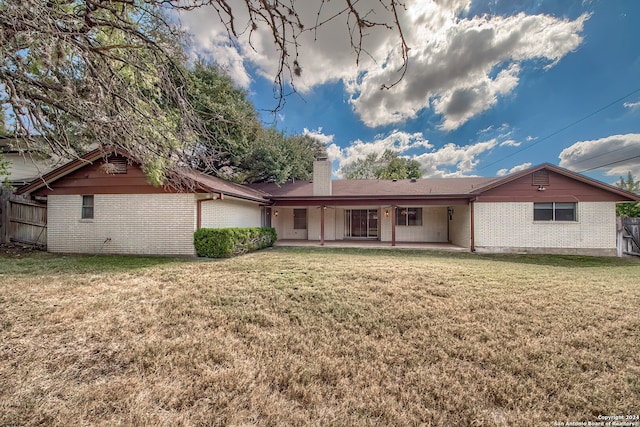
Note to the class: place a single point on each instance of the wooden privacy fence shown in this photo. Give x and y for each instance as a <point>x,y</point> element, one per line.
<point>27,222</point>
<point>628,236</point>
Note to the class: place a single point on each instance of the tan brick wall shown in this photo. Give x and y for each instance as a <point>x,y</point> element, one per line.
<point>313,223</point>
<point>159,224</point>
<point>283,224</point>
<point>230,212</point>
<point>321,178</point>
<point>460,226</point>
<point>500,226</point>
<point>433,228</point>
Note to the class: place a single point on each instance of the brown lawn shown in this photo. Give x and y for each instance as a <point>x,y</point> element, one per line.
<point>320,337</point>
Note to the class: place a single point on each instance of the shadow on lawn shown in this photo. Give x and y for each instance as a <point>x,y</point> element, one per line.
<point>29,262</point>
<point>574,261</point>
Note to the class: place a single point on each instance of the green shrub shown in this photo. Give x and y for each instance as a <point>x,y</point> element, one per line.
<point>228,242</point>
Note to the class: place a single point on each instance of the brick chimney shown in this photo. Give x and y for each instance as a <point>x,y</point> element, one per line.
<point>322,177</point>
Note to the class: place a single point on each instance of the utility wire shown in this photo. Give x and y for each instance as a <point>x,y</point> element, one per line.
<point>609,164</point>
<point>563,128</point>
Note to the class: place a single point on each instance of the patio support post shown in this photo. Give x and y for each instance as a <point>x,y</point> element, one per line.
<point>473,232</point>
<point>393,225</point>
<point>322,208</point>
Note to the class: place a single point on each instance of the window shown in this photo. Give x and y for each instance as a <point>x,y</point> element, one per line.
<point>299,219</point>
<point>409,216</point>
<point>87,207</point>
<point>554,211</point>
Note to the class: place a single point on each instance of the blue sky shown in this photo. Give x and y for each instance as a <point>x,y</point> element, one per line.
<point>491,86</point>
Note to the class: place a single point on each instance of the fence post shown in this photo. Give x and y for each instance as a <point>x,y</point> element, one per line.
<point>5,194</point>
<point>620,241</point>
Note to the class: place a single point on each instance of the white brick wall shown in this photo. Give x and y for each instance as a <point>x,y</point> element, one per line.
<point>321,178</point>
<point>460,226</point>
<point>230,212</point>
<point>433,228</point>
<point>159,224</point>
<point>510,226</point>
<point>283,224</point>
<point>313,223</point>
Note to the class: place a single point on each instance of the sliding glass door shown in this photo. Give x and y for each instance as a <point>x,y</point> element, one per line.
<point>361,223</point>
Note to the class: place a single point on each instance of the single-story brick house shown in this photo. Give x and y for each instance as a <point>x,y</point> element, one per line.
<point>103,203</point>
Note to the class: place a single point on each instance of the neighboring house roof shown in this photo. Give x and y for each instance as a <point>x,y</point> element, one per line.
<point>25,163</point>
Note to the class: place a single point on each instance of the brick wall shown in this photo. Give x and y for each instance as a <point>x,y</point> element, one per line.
<point>509,227</point>
<point>230,212</point>
<point>159,224</point>
<point>460,226</point>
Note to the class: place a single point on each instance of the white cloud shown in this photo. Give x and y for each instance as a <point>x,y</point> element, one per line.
<point>510,143</point>
<point>615,155</point>
<point>461,66</point>
<point>458,66</point>
<point>433,161</point>
<point>632,105</point>
<point>464,159</point>
<point>518,168</point>
<point>317,134</point>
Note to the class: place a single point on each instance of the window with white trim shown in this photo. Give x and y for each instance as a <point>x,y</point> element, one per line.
<point>87,207</point>
<point>555,211</point>
<point>409,216</point>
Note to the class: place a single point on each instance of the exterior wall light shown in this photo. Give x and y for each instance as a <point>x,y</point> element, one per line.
<point>275,213</point>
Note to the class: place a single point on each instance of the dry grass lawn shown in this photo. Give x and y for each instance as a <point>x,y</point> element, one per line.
<point>320,337</point>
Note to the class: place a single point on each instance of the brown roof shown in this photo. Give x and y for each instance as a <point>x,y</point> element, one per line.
<point>201,181</point>
<point>213,184</point>
<point>431,187</point>
<point>464,187</point>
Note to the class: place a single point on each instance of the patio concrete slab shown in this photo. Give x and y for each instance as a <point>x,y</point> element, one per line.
<point>371,244</point>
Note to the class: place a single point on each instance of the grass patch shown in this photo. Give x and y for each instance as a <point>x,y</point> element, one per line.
<point>293,336</point>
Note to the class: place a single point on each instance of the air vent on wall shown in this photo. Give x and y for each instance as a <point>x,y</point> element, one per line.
<point>115,165</point>
<point>540,177</point>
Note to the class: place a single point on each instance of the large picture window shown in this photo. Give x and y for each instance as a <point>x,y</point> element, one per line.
<point>299,219</point>
<point>87,207</point>
<point>409,216</point>
<point>554,211</point>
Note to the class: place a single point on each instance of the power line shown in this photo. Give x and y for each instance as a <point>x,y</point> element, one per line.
<point>604,154</point>
<point>599,110</point>
<point>609,164</point>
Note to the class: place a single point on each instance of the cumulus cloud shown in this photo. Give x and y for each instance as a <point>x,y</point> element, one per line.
<point>447,161</point>
<point>615,155</point>
<point>459,65</point>
<point>463,158</point>
<point>632,105</point>
<point>319,135</point>
<point>518,168</point>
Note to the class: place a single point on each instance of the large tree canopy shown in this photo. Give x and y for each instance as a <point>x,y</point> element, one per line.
<point>79,73</point>
<point>389,165</point>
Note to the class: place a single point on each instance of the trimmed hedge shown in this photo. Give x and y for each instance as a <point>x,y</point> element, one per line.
<point>228,242</point>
